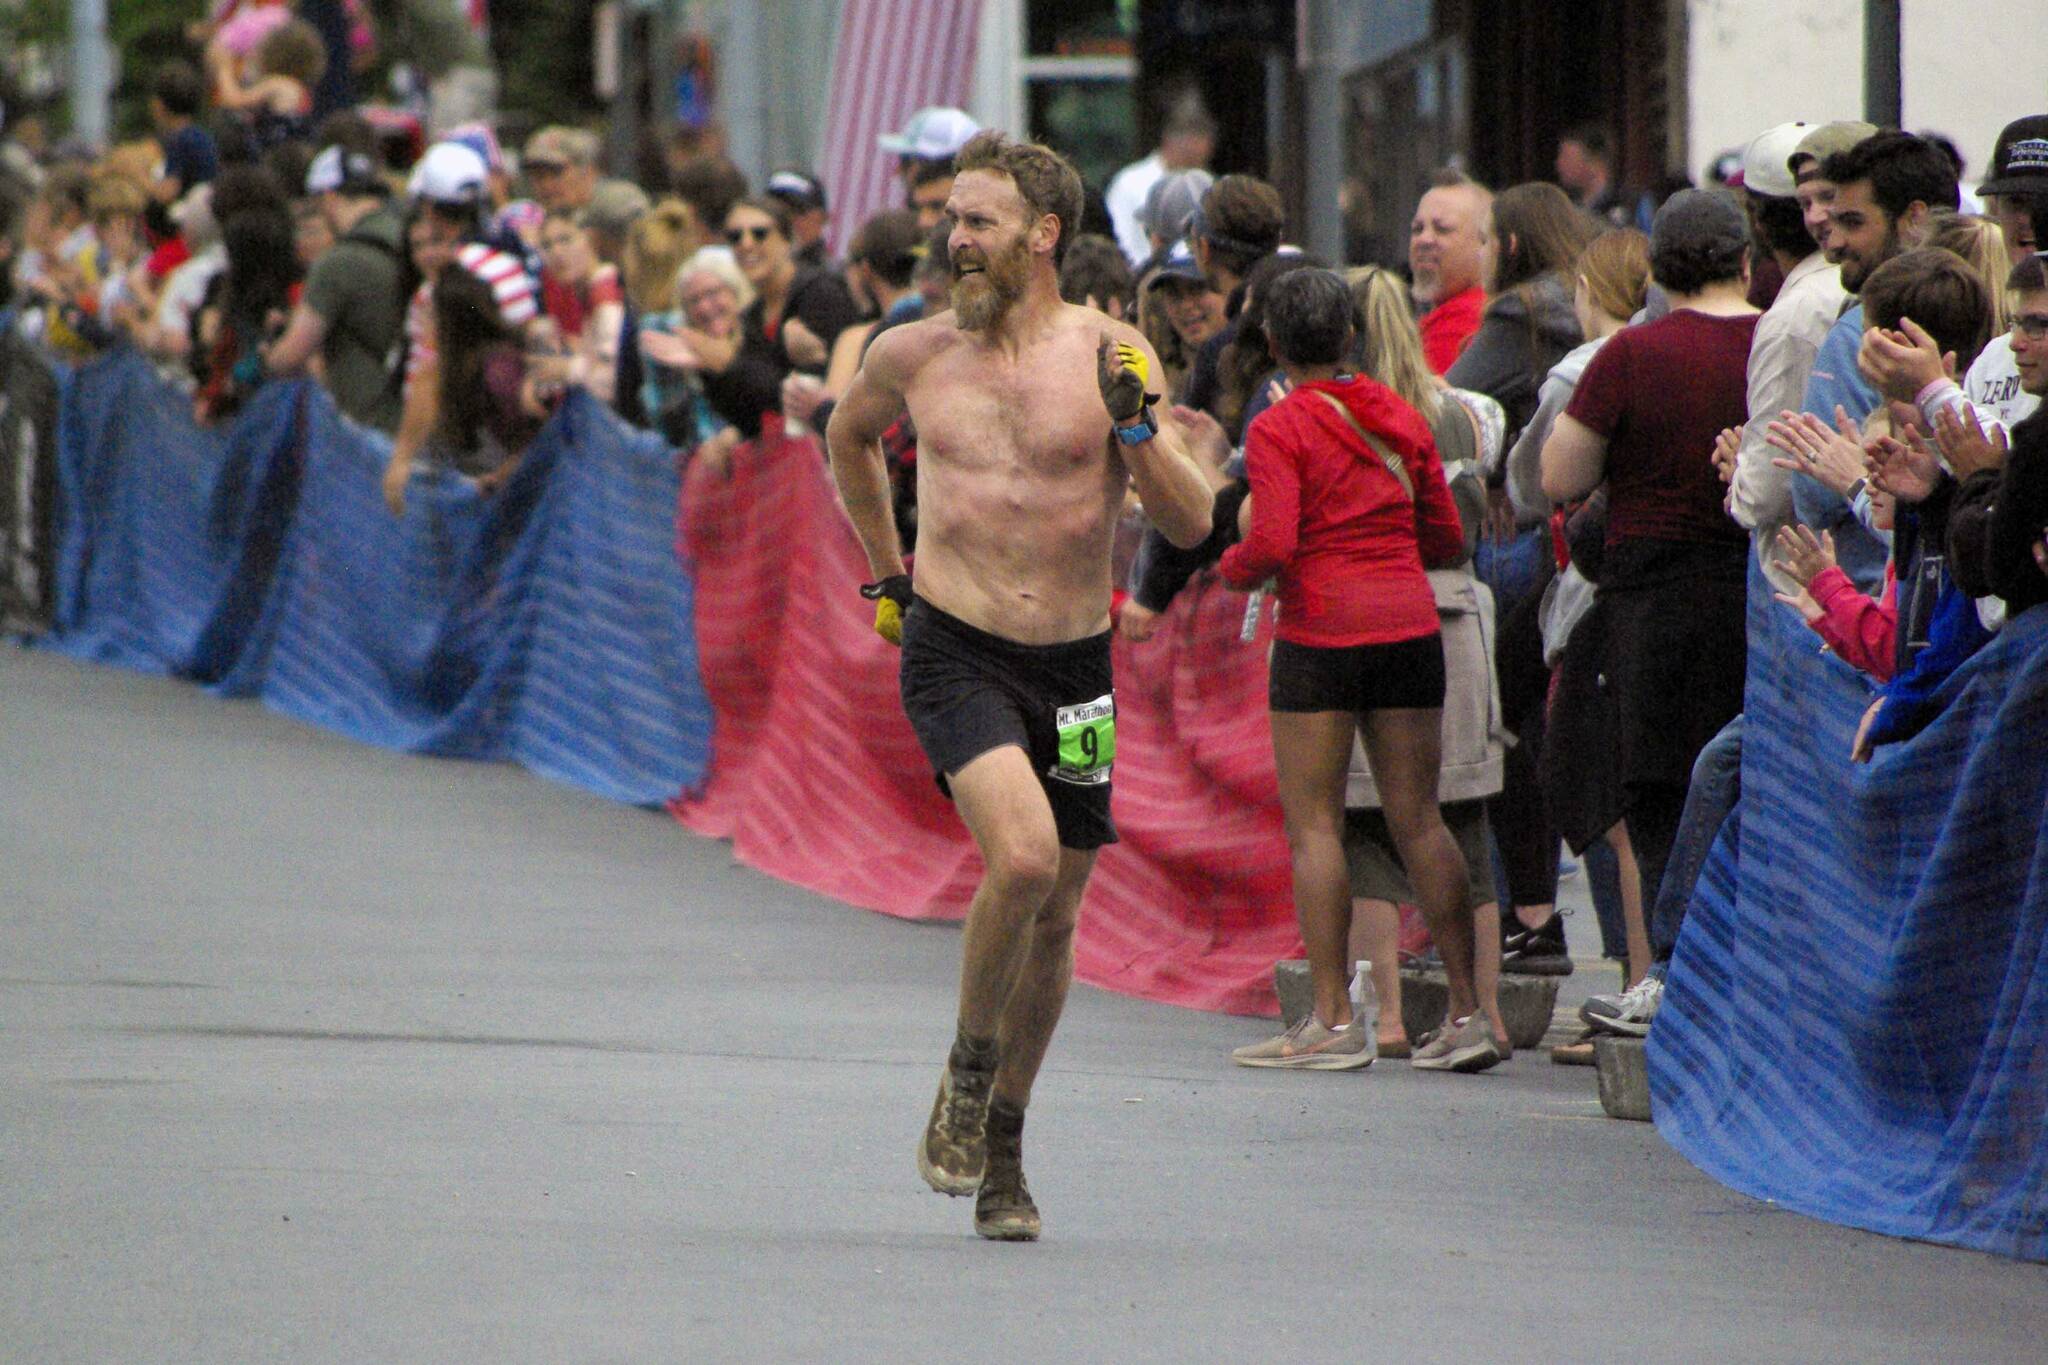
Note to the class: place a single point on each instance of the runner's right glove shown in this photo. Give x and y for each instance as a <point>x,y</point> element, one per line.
<point>891,597</point>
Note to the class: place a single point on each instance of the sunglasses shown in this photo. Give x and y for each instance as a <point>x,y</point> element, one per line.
<point>737,235</point>
<point>2034,326</point>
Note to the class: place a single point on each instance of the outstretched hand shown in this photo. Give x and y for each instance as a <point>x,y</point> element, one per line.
<point>1804,555</point>
<point>1123,373</point>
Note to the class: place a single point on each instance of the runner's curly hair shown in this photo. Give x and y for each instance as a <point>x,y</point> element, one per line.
<point>1048,182</point>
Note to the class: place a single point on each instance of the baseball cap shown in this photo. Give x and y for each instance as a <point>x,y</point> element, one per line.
<point>450,173</point>
<point>799,189</point>
<point>1828,139</point>
<point>1172,201</point>
<point>932,134</point>
<point>336,168</point>
<point>1699,220</point>
<point>615,205</point>
<point>1767,161</point>
<point>1178,265</point>
<point>559,146</point>
<point>2019,160</point>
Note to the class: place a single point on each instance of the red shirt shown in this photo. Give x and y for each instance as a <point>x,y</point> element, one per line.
<point>1448,326</point>
<point>1660,393</point>
<point>1333,524</point>
<point>571,306</point>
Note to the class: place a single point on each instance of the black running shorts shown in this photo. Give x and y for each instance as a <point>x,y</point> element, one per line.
<point>967,692</point>
<point>1408,674</point>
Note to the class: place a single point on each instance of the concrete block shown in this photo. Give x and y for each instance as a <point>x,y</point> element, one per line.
<point>1526,1002</point>
<point>1624,1078</point>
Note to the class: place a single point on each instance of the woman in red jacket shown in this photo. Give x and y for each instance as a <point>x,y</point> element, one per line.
<point>1348,505</point>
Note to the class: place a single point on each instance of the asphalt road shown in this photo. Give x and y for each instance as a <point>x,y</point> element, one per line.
<point>316,1052</point>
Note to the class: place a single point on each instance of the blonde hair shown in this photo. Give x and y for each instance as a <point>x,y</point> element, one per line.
<point>112,194</point>
<point>1616,268</point>
<point>718,263</point>
<point>1389,346</point>
<point>658,243</point>
<point>1981,244</point>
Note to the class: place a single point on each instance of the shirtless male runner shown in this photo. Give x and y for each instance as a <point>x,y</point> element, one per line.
<point>1006,675</point>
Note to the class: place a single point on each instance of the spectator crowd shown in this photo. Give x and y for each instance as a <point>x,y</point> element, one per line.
<point>1594,419</point>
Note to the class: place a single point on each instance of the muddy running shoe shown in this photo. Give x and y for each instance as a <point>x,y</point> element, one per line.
<point>1003,1211</point>
<point>1466,1045</point>
<point>1628,1014</point>
<point>950,1154</point>
<point>1534,952</point>
<point>1313,1046</point>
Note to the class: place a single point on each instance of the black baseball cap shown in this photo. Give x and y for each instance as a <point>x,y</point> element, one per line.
<point>2019,161</point>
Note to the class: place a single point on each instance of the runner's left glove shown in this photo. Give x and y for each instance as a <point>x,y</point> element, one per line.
<point>891,597</point>
<point>1122,373</point>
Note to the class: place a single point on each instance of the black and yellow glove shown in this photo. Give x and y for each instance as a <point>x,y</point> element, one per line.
<point>891,597</point>
<point>1123,374</point>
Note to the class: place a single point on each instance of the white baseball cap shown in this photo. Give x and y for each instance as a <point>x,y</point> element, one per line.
<point>932,134</point>
<point>450,173</point>
<point>1765,168</point>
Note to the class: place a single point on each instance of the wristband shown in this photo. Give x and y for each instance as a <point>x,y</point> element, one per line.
<point>1142,429</point>
<point>1855,490</point>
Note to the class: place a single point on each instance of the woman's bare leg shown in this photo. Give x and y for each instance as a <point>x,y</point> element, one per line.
<point>1405,748</point>
<point>1312,757</point>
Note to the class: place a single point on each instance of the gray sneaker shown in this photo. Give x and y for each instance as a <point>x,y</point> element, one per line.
<point>1312,1046</point>
<point>1629,1014</point>
<point>1464,1045</point>
<point>953,1150</point>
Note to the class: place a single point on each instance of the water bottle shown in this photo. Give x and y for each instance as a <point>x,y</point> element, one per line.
<point>1365,1005</point>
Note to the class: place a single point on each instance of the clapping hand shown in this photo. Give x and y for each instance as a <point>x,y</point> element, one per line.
<point>1900,364</point>
<point>1726,447</point>
<point>1963,443</point>
<point>1205,437</point>
<point>1906,469</point>
<point>1834,456</point>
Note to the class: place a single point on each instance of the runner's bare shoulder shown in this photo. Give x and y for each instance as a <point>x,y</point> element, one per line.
<point>896,356</point>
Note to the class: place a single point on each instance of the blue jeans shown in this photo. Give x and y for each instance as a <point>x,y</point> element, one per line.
<point>1712,801</point>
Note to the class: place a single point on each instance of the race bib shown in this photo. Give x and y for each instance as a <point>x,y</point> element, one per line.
<point>1087,734</point>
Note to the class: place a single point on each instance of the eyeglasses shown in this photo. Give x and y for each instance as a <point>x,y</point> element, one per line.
<point>2033,326</point>
<point>736,235</point>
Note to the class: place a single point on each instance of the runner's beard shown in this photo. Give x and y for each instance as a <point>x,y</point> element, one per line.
<point>981,299</point>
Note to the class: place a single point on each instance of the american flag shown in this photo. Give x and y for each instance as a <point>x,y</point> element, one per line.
<point>894,58</point>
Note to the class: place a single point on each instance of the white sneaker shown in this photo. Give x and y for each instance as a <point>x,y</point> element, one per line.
<point>1466,1045</point>
<point>1630,1014</point>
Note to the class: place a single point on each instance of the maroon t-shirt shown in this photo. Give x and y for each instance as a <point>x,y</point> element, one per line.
<point>1660,393</point>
